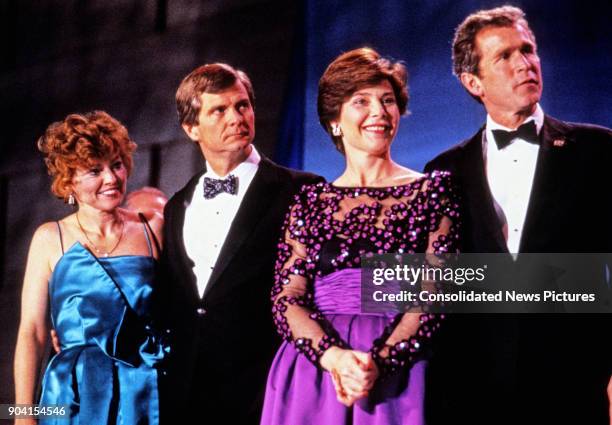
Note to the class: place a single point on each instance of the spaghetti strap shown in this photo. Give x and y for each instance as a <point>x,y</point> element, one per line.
<point>59,229</point>
<point>147,230</point>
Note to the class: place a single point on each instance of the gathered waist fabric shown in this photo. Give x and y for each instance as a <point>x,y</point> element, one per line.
<point>341,293</point>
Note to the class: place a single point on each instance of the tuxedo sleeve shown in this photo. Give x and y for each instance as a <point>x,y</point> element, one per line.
<point>163,289</point>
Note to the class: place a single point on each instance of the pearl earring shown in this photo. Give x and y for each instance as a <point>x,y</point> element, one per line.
<point>336,131</point>
<point>71,200</point>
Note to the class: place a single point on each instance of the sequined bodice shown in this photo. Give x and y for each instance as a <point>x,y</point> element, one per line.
<point>326,231</point>
<point>338,224</point>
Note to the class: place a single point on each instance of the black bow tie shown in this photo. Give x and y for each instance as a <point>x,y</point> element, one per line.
<point>213,187</point>
<point>527,132</point>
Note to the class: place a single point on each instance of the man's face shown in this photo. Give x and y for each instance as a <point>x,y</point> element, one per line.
<point>226,123</point>
<point>510,78</point>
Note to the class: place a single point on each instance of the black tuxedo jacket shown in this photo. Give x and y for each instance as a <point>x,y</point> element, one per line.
<point>223,343</point>
<point>570,189</point>
<point>492,369</point>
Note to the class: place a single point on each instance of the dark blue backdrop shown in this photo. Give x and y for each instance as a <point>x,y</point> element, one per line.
<point>574,40</point>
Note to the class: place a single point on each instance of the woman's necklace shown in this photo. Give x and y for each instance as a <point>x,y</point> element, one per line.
<point>100,252</point>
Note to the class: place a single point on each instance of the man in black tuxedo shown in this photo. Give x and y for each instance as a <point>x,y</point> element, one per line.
<point>529,184</point>
<point>220,237</point>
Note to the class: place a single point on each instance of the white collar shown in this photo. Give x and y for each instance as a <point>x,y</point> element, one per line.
<point>245,167</point>
<point>537,116</point>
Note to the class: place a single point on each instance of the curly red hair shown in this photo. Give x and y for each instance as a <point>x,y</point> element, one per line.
<point>80,141</point>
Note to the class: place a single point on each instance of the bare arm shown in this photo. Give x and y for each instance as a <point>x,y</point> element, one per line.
<point>150,202</point>
<point>34,326</point>
<point>157,222</point>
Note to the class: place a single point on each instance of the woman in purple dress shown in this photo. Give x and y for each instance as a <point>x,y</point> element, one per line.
<point>337,364</point>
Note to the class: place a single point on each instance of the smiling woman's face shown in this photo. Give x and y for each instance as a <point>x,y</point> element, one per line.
<point>102,185</point>
<point>369,120</point>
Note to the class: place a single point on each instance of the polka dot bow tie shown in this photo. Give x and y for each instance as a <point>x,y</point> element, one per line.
<point>213,187</point>
<point>527,132</point>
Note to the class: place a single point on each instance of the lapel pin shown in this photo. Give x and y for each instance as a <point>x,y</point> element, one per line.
<point>559,143</point>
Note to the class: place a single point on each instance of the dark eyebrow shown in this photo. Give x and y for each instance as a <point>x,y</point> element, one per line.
<point>216,106</point>
<point>502,52</point>
<point>529,44</point>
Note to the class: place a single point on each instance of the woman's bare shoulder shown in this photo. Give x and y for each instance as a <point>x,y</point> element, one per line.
<point>46,232</point>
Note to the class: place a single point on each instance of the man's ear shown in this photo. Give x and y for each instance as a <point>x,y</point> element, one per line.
<point>192,131</point>
<point>472,84</point>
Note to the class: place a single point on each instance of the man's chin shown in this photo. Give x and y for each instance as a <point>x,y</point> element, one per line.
<point>531,96</point>
<point>239,140</point>
<point>529,104</point>
<point>239,145</point>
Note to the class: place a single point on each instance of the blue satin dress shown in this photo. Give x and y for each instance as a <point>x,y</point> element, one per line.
<point>107,369</point>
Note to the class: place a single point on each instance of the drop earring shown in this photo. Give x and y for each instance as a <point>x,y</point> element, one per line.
<point>71,200</point>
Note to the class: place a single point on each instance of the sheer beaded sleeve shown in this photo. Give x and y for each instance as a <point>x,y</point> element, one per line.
<point>327,230</point>
<point>405,339</point>
<point>295,315</point>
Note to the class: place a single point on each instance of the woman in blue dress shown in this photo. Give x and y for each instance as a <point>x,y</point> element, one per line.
<point>89,277</point>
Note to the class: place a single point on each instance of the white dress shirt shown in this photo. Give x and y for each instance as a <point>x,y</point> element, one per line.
<point>510,174</point>
<point>208,221</point>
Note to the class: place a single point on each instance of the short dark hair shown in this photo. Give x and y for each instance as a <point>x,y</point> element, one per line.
<point>350,72</point>
<point>209,78</point>
<point>466,56</point>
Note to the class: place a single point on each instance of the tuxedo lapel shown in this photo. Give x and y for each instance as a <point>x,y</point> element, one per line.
<point>178,244</point>
<point>252,209</point>
<point>476,187</point>
<point>549,187</point>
